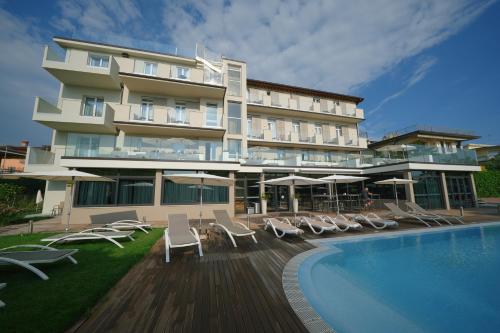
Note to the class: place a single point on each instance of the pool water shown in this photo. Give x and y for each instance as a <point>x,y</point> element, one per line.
<point>441,281</point>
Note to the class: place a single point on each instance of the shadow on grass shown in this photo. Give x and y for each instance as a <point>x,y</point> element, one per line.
<point>34,305</point>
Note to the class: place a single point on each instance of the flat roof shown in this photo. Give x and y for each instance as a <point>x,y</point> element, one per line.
<point>302,90</point>
<point>459,136</point>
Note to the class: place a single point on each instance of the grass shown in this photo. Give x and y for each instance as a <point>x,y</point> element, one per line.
<point>34,305</point>
<point>18,217</point>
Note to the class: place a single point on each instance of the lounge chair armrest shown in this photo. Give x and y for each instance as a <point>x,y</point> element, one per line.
<point>372,215</point>
<point>195,233</point>
<point>286,220</point>
<point>244,226</point>
<point>125,221</point>
<point>98,229</point>
<point>35,246</point>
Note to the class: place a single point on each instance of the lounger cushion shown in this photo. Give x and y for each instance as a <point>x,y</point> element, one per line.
<point>321,224</point>
<point>223,218</point>
<point>178,230</point>
<point>32,257</point>
<point>110,234</point>
<point>282,226</point>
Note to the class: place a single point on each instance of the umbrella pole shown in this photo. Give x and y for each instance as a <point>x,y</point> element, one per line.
<point>201,200</point>
<point>337,197</point>
<point>396,194</point>
<point>70,203</point>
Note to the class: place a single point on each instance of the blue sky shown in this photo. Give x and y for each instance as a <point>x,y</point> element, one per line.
<point>414,62</point>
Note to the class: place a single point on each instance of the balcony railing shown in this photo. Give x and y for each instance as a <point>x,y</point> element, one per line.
<point>37,156</point>
<point>428,128</point>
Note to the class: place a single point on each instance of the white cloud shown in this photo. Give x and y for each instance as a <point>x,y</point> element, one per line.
<point>423,68</point>
<point>333,45</point>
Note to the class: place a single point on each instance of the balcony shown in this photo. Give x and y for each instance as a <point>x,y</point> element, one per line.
<point>71,119</point>
<point>162,120</point>
<point>278,103</point>
<point>42,160</point>
<point>73,69</point>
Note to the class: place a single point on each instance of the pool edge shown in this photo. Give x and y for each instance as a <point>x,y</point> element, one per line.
<point>290,277</point>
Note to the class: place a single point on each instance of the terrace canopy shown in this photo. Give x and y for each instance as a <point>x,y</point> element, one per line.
<point>395,181</point>
<point>342,179</point>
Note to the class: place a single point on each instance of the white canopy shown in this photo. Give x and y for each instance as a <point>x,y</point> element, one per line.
<point>396,148</point>
<point>294,180</point>
<point>199,179</point>
<point>343,179</point>
<point>395,181</point>
<point>58,175</point>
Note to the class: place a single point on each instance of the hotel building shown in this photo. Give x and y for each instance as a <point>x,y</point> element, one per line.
<point>136,115</point>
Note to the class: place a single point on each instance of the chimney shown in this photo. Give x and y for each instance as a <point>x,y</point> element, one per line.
<point>25,143</point>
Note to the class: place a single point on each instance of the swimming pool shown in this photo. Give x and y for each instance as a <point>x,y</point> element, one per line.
<point>440,281</point>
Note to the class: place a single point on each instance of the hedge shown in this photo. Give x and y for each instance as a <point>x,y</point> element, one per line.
<point>488,183</point>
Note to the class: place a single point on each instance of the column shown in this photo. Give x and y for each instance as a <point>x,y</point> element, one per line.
<point>473,187</point>
<point>410,194</point>
<point>444,186</point>
<point>231,195</point>
<point>262,189</point>
<point>158,188</point>
<point>291,195</point>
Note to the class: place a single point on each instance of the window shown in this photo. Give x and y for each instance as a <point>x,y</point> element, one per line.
<point>87,145</point>
<point>96,60</point>
<point>211,115</point>
<point>338,129</point>
<point>93,107</point>
<point>234,80</point>
<point>150,68</point>
<point>316,99</point>
<point>183,73</point>
<point>295,126</point>
<point>180,114</point>
<point>271,125</point>
<point>176,194</point>
<point>318,129</point>
<point>249,127</point>
<point>234,118</point>
<point>234,148</point>
<point>146,110</point>
<point>211,151</point>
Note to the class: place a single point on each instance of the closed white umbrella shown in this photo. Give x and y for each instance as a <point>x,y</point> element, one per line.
<point>395,181</point>
<point>39,198</point>
<point>69,176</point>
<point>200,179</point>
<point>342,179</point>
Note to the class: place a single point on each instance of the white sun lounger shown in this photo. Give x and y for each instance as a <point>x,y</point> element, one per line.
<point>342,222</point>
<point>374,221</point>
<point>417,209</point>
<point>317,225</point>
<point>123,220</point>
<point>109,234</point>
<point>2,285</point>
<point>129,225</point>
<point>26,259</point>
<point>398,213</point>
<point>281,228</point>
<point>232,229</point>
<point>178,234</point>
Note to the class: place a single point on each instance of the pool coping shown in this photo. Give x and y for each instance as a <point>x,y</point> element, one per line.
<point>290,278</point>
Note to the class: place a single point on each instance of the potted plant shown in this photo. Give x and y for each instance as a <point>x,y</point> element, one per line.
<point>263,202</point>
<point>295,203</point>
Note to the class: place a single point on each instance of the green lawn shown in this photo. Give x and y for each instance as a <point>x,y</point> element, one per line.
<point>34,305</point>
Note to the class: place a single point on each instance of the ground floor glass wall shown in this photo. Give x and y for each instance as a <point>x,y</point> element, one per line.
<point>246,192</point>
<point>459,190</point>
<point>427,189</point>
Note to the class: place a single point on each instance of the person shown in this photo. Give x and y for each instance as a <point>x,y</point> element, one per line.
<point>366,194</point>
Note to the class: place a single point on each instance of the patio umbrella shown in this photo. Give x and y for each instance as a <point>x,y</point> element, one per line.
<point>294,180</point>
<point>401,147</point>
<point>200,179</point>
<point>395,181</point>
<point>69,176</point>
<point>342,179</point>
<point>39,198</point>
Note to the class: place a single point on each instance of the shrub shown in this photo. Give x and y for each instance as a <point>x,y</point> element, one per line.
<point>488,183</point>
<point>9,193</point>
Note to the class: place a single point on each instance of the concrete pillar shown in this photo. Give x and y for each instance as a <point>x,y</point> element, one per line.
<point>231,194</point>
<point>262,189</point>
<point>158,188</point>
<point>410,194</point>
<point>444,186</point>
<point>291,195</point>
<point>473,187</point>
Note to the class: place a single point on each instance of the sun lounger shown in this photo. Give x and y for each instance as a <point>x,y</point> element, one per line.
<point>178,234</point>
<point>398,213</point>
<point>317,225</point>
<point>2,285</point>
<point>417,209</point>
<point>374,221</point>
<point>342,222</point>
<point>43,255</point>
<point>109,234</point>
<point>126,220</point>
<point>232,229</point>
<point>281,228</point>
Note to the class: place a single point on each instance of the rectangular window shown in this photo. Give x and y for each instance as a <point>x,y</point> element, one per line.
<point>98,60</point>
<point>178,194</point>
<point>93,107</point>
<point>87,146</point>
<point>150,68</point>
<point>234,148</point>
<point>234,118</point>
<point>234,80</point>
<point>180,114</point>
<point>318,129</point>
<point>183,73</point>
<point>211,120</point>
<point>271,125</point>
<point>338,129</point>
<point>146,110</point>
<point>135,191</point>
<point>249,127</point>
<point>211,151</point>
<point>295,127</point>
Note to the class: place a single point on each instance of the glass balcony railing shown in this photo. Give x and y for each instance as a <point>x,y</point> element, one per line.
<point>37,156</point>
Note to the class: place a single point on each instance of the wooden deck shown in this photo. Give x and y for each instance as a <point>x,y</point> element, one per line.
<point>227,290</point>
